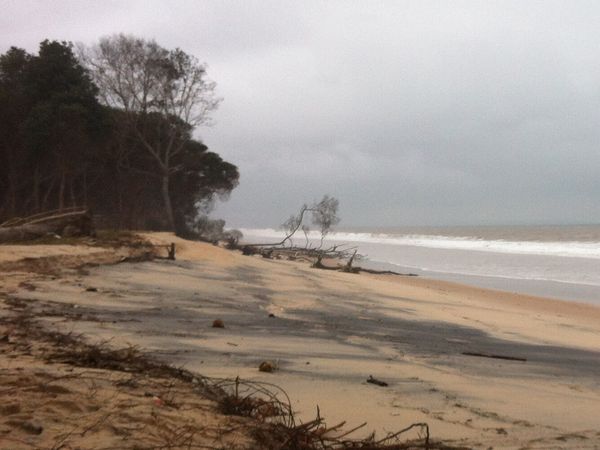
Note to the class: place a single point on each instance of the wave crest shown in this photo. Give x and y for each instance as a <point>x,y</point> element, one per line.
<point>574,249</point>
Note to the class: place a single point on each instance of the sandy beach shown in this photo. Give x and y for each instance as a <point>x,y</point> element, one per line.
<point>484,369</point>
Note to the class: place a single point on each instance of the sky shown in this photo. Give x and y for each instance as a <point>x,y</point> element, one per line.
<point>420,113</point>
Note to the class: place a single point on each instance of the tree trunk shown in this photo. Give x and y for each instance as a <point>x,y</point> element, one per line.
<point>167,200</point>
<point>61,191</point>
<point>72,193</point>
<point>36,190</point>
<point>85,190</point>
<point>12,189</point>
<point>47,194</point>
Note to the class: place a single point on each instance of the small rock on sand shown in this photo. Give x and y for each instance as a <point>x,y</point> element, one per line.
<point>218,323</point>
<point>375,381</point>
<point>267,366</point>
<point>27,426</point>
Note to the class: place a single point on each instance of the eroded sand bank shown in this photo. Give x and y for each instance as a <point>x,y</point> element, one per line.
<point>331,330</point>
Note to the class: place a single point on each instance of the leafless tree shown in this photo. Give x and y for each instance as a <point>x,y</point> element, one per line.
<point>306,231</point>
<point>324,216</point>
<point>293,224</point>
<point>164,93</point>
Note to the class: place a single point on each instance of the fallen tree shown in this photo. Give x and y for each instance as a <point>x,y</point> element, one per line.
<point>272,251</point>
<point>64,223</point>
<point>324,215</point>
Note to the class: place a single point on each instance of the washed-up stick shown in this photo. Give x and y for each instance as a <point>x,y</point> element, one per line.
<point>486,355</point>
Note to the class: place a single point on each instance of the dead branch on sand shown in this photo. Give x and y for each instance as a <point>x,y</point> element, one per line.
<point>67,223</point>
<point>316,256</point>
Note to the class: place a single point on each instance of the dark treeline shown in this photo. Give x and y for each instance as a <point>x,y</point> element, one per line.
<point>62,146</point>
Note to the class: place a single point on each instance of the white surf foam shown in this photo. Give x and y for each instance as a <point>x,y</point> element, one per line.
<point>573,249</point>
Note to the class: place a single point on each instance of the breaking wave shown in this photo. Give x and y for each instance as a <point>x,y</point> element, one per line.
<point>574,249</point>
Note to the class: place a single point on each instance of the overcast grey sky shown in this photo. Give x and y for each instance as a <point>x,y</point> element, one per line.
<point>410,112</point>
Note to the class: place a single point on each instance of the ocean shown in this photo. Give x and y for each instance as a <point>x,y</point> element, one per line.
<point>561,262</point>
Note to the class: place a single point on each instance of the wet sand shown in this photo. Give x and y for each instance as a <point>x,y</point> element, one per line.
<point>331,330</point>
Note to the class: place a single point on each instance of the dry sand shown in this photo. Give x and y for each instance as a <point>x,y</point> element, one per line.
<point>331,330</point>
<point>56,392</point>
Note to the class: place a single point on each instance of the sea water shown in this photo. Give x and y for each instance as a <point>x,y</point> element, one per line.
<point>552,261</point>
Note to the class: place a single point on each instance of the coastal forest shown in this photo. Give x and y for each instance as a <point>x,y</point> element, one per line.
<point>110,128</point>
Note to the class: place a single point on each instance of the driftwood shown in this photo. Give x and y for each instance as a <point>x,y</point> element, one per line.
<point>65,223</point>
<point>170,251</point>
<point>348,267</point>
<point>308,253</point>
<point>316,256</point>
<point>386,272</point>
<point>376,381</point>
<point>487,355</point>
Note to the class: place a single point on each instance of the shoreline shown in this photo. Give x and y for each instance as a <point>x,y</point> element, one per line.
<point>550,289</point>
<point>560,276</point>
<point>330,331</point>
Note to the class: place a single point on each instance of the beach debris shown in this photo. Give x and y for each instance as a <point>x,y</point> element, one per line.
<point>70,221</point>
<point>91,289</point>
<point>170,248</point>
<point>27,286</point>
<point>376,381</point>
<point>4,338</point>
<point>267,366</point>
<point>271,315</point>
<point>385,272</point>
<point>218,323</point>
<point>232,344</point>
<point>488,355</point>
<point>28,427</point>
<point>275,427</point>
<point>10,409</point>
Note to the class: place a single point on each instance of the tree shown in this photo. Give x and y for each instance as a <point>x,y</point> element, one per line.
<point>324,215</point>
<point>164,93</point>
<point>60,147</point>
<point>66,120</point>
<point>50,120</point>
<point>204,177</point>
<point>14,107</point>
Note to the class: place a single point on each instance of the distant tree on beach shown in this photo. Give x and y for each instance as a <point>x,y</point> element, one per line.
<point>324,216</point>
